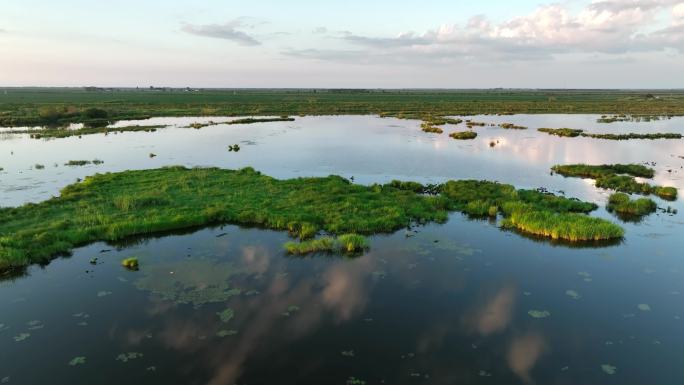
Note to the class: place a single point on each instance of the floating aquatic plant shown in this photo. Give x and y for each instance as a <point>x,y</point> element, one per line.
<point>573,294</point>
<point>21,337</point>
<point>539,313</point>
<point>103,293</point>
<point>125,357</point>
<point>609,369</point>
<point>130,263</point>
<point>77,361</point>
<point>226,315</point>
<point>644,307</point>
<point>226,333</point>
<point>195,282</point>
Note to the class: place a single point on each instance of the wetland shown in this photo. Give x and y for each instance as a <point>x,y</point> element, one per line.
<point>400,256</point>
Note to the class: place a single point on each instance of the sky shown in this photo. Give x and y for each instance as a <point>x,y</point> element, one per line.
<point>343,44</point>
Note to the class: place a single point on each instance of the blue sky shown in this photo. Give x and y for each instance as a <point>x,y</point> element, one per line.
<point>437,43</point>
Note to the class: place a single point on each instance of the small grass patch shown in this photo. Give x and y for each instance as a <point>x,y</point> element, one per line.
<point>572,133</point>
<point>345,243</point>
<point>620,203</point>
<point>428,127</point>
<point>565,132</point>
<point>83,162</point>
<point>463,135</point>
<point>660,135</point>
<point>597,171</point>
<point>130,263</point>
<point>511,126</point>
<point>612,177</point>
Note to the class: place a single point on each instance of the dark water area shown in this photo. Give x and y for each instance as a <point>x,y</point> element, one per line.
<point>457,303</point>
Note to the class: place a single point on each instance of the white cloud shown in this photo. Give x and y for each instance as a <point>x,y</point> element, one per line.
<point>227,31</point>
<point>603,27</point>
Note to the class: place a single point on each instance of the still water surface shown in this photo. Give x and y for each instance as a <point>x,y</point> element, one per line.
<point>458,303</point>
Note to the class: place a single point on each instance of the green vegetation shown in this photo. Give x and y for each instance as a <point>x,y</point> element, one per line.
<point>64,133</point>
<point>38,166</point>
<point>572,133</point>
<point>597,171</point>
<point>660,135</point>
<point>60,106</point>
<point>607,176</point>
<point>82,162</point>
<point>243,121</point>
<point>345,243</point>
<point>428,127</point>
<point>471,124</point>
<point>130,263</point>
<point>234,148</point>
<point>622,204</point>
<point>630,118</point>
<point>566,132</point>
<point>196,281</point>
<point>463,135</point>
<point>531,211</point>
<point>112,206</point>
<point>511,126</point>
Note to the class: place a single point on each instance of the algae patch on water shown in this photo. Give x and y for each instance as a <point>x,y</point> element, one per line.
<point>195,282</point>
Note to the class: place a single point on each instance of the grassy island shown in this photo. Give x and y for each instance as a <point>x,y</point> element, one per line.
<point>625,207</point>
<point>565,132</point>
<point>618,177</point>
<point>112,206</point>
<point>463,135</point>
<point>573,133</point>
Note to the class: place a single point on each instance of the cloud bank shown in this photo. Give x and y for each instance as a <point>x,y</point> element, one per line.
<point>602,27</point>
<point>227,31</point>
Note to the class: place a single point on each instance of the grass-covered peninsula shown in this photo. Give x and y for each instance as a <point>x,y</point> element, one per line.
<point>112,206</point>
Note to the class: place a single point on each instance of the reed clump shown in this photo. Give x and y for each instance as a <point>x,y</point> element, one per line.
<point>345,243</point>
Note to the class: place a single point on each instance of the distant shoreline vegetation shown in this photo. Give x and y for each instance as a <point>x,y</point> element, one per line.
<point>94,106</point>
<point>573,133</point>
<point>113,206</point>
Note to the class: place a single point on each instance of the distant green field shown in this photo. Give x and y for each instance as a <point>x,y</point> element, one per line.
<point>56,106</point>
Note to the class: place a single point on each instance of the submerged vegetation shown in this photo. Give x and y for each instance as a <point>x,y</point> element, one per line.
<point>612,177</point>
<point>112,206</point>
<point>463,135</point>
<point>572,133</point>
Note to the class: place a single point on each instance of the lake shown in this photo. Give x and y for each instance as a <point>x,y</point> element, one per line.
<point>462,302</point>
